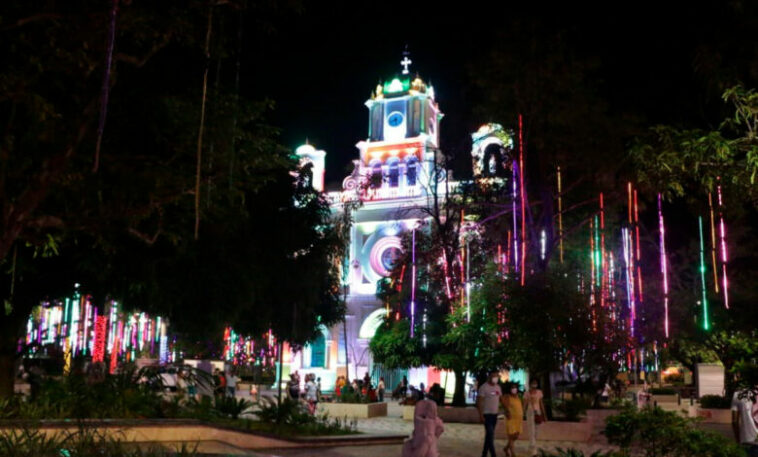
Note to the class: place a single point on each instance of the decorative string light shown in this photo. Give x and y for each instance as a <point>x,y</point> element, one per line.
<point>468,283</point>
<point>629,263</point>
<point>543,242</point>
<point>706,323</point>
<point>637,249</point>
<point>413,281</point>
<point>515,222</point>
<point>74,325</point>
<point>602,268</point>
<point>722,234</point>
<point>560,216</point>
<point>523,197</point>
<point>664,268</point>
<point>713,245</point>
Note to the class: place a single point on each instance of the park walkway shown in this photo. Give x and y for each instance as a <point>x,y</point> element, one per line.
<point>459,440</point>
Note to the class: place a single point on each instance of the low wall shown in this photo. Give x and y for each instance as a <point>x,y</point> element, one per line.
<point>715,416</point>
<point>449,414</point>
<point>171,431</point>
<point>674,398</point>
<point>597,417</point>
<point>465,415</point>
<point>353,410</point>
<point>579,432</point>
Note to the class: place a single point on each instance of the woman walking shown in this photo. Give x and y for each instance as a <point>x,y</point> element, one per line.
<point>535,413</point>
<point>514,418</point>
<point>311,393</point>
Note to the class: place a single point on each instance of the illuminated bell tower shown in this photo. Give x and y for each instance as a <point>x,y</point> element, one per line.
<point>402,138</point>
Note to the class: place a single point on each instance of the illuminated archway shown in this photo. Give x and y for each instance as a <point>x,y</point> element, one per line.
<point>371,323</point>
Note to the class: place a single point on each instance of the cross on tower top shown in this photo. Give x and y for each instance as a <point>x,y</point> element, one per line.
<point>405,63</point>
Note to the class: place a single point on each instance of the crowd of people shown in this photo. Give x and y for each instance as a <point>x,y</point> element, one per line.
<point>489,399</point>
<point>364,388</point>
<point>311,392</point>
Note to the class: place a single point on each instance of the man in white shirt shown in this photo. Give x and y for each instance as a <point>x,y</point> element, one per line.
<point>488,402</point>
<point>231,384</point>
<point>743,419</point>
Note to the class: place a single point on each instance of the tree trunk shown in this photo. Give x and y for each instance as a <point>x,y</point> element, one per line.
<point>459,394</point>
<point>547,392</point>
<point>730,384</point>
<point>11,328</point>
<point>7,369</point>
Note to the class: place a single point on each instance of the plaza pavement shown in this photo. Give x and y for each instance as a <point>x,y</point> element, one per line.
<point>459,440</point>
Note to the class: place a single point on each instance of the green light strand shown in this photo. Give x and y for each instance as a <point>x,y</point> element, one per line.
<point>706,323</point>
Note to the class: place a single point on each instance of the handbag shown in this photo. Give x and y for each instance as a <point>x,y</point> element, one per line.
<point>538,418</point>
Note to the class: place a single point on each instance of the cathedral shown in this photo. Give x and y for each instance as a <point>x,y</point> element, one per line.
<point>393,177</point>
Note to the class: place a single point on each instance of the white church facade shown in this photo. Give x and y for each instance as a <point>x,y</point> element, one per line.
<point>393,175</point>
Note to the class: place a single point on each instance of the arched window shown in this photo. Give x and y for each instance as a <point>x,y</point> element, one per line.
<point>492,161</point>
<point>411,172</point>
<point>371,323</point>
<point>394,173</point>
<point>315,354</point>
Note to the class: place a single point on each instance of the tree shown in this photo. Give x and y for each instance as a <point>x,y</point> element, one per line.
<point>692,167</point>
<point>537,70</point>
<point>551,321</point>
<point>125,231</point>
<point>48,107</point>
<point>436,246</point>
<point>676,160</point>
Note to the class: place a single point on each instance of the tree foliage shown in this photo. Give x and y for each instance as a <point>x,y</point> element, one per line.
<point>676,160</point>
<point>125,231</point>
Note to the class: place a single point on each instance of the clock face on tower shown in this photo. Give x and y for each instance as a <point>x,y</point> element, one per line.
<point>395,119</point>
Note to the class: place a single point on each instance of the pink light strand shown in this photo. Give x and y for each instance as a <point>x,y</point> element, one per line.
<point>638,262</point>
<point>515,222</point>
<point>628,260</point>
<point>722,242</point>
<point>664,269</point>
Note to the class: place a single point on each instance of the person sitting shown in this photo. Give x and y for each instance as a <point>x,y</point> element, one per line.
<point>397,392</point>
<point>437,394</point>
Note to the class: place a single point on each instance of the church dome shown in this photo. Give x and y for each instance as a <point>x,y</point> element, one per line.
<point>305,150</point>
<point>401,85</point>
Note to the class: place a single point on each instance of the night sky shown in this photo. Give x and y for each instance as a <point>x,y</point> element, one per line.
<point>320,64</point>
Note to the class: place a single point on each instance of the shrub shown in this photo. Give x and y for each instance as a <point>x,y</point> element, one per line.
<point>290,412</point>
<point>573,408</point>
<point>82,443</point>
<point>231,406</point>
<point>656,433</point>
<point>352,397</point>
<point>293,413</point>
<point>715,402</point>
<point>674,378</point>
